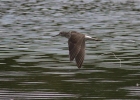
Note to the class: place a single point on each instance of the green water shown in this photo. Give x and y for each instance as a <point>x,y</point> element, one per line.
<point>33,65</point>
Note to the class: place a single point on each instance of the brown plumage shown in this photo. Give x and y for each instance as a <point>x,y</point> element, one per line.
<point>76,45</point>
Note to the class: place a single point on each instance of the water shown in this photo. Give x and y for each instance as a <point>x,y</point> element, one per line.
<point>33,65</point>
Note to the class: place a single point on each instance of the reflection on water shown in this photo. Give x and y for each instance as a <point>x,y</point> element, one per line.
<point>33,65</point>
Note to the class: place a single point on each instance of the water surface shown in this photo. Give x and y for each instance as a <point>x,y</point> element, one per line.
<point>33,65</point>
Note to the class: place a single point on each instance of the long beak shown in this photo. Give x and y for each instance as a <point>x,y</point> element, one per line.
<point>55,35</point>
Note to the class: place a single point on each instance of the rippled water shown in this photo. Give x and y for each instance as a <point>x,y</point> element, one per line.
<point>33,65</point>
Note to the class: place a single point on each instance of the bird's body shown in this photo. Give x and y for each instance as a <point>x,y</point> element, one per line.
<point>76,44</point>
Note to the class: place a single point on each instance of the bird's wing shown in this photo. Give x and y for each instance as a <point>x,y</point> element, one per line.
<point>81,55</point>
<point>75,46</point>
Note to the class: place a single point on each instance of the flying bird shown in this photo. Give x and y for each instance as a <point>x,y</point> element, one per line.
<point>76,44</point>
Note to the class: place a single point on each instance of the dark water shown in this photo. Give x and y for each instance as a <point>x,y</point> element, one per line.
<point>33,65</point>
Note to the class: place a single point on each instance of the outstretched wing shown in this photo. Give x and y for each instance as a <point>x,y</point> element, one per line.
<point>81,55</point>
<point>75,43</point>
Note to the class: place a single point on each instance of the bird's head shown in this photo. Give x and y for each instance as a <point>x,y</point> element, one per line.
<point>63,34</point>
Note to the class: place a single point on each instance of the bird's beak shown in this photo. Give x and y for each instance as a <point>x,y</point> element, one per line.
<point>55,35</point>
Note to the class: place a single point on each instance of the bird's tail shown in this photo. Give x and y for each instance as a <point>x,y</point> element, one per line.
<point>96,39</point>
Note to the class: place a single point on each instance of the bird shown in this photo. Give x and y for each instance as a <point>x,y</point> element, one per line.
<point>76,45</point>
